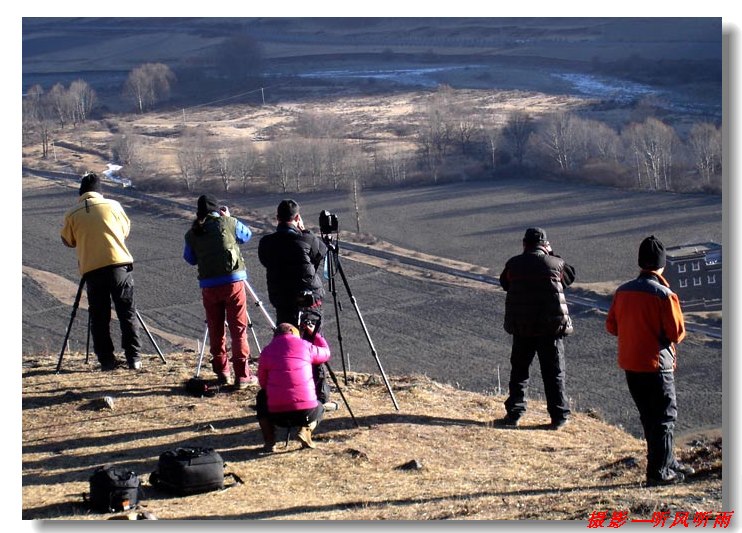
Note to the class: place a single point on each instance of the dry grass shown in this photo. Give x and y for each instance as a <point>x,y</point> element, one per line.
<point>470,469</point>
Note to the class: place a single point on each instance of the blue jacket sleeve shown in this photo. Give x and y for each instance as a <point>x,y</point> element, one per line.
<point>188,255</point>
<point>242,233</point>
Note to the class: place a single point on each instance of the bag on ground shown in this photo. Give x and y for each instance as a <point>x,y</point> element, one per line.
<point>113,489</point>
<point>186,471</point>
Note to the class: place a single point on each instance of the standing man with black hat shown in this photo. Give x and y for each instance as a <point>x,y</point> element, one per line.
<point>292,257</point>
<point>646,317</point>
<point>212,244</point>
<point>98,228</point>
<point>537,317</point>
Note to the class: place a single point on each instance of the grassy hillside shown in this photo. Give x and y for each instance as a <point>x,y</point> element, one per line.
<point>468,469</point>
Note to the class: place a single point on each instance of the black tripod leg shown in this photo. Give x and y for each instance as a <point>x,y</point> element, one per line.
<point>335,381</point>
<point>333,289</point>
<point>146,329</point>
<point>87,343</point>
<point>365,331</point>
<point>72,319</point>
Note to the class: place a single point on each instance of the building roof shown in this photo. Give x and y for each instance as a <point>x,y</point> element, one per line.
<point>710,250</point>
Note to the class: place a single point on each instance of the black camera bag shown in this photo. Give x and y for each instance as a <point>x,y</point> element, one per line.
<point>186,471</point>
<point>113,489</point>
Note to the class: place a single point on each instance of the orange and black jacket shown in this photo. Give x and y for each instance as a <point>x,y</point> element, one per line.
<point>646,317</point>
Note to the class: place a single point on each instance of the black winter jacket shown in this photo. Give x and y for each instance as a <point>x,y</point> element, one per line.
<point>535,304</point>
<point>293,262</point>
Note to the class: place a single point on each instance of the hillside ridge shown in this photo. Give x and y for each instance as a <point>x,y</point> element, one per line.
<point>467,468</point>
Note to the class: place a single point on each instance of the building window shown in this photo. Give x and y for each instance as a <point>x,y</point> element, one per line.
<point>696,282</point>
<point>681,268</point>
<point>696,266</point>
<point>683,283</point>
<point>711,279</point>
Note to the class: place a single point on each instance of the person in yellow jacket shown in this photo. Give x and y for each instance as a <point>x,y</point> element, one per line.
<point>646,317</point>
<point>97,228</point>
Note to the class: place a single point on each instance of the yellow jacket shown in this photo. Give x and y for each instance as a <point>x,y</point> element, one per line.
<point>97,227</point>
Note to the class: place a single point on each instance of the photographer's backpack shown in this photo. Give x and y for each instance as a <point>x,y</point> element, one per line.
<point>113,489</point>
<point>186,471</point>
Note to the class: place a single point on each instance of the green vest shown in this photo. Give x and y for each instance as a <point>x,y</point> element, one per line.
<point>216,248</point>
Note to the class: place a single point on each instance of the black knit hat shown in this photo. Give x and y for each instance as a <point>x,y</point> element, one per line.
<point>206,204</point>
<point>287,210</point>
<point>651,254</point>
<point>89,183</point>
<point>534,236</point>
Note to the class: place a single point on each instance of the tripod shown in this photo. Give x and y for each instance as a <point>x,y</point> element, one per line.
<point>334,265</point>
<point>259,305</point>
<point>75,306</point>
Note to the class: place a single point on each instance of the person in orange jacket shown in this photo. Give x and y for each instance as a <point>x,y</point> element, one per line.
<point>646,317</point>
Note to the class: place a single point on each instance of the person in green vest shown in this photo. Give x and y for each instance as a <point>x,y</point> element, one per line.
<point>212,244</point>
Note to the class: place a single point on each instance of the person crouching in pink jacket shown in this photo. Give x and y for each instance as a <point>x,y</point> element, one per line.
<point>287,396</point>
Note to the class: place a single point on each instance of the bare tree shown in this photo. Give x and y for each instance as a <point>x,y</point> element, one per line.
<point>705,144</point>
<point>129,150</point>
<point>603,140</point>
<point>393,166</point>
<point>277,163</point>
<point>149,84</point>
<point>38,118</point>
<point>59,100</point>
<point>221,163</point>
<point>652,143</point>
<point>82,99</point>
<point>558,135</point>
<point>434,138</point>
<point>244,161</point>
<point>193,158</point>
<point>518,129</point>
<point>494,139</point>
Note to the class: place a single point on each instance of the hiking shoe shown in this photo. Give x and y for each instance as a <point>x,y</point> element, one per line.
<point>222,380</point>
<point>331,406</point>
<point>135,365</point>
<point>672,479</point>
<point>242,385</point>
<point>508,421</point>
<point>686,470</point>
<point>111,365</point>
<point>305,436</point>
<point>268,447</point>
<point>558,424</point>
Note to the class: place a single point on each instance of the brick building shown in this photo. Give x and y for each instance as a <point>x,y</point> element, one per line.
<point>694,274</point>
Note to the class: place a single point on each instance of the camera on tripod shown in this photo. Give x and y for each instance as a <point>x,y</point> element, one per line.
<point>328,222</point>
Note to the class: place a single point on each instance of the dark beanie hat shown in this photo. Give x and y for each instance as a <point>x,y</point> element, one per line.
<point>651,254</point>
<point>287,210</point>
<point>206,204</point>
<point>89,183</point>
<point>534,236</point>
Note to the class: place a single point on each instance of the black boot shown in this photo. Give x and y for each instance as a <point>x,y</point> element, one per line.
<point>269,435</point>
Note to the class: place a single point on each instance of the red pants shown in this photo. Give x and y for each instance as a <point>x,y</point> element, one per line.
<point>228,302</point>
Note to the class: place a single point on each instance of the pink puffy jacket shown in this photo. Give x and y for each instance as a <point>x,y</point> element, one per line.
<point>285,371</point>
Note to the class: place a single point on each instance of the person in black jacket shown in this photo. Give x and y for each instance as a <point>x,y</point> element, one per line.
<point>292,257</point>
<point>537,317</point>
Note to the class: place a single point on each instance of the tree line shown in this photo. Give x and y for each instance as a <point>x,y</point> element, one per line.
<point>448,139</point>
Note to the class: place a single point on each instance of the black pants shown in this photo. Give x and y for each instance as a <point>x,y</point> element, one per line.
<point>293,314</point>
<point>299,418</point>
<point>103,285</point>
<point>654,396</point>
<point>550,352</point>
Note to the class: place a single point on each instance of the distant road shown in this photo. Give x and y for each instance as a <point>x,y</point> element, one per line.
<point>576,301</point>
